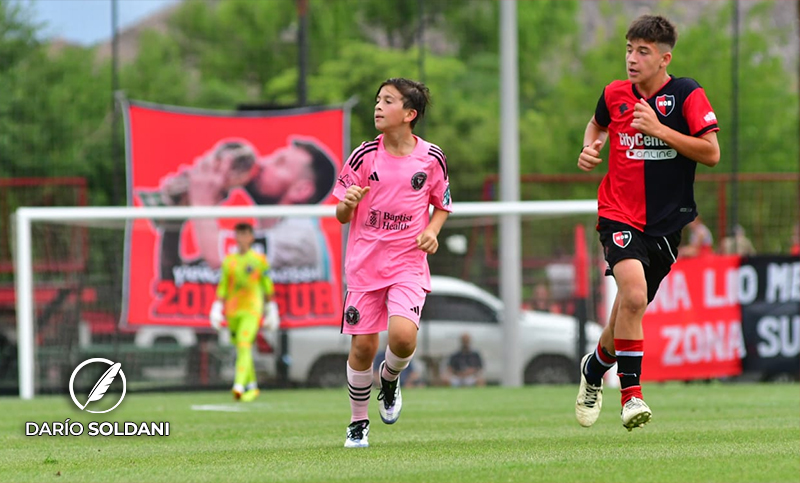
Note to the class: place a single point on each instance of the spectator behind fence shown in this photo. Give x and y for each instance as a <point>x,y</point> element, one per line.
<point>465,367</point>
<point>701,241</point>
<point>542,301</point>
<point>738,243</point>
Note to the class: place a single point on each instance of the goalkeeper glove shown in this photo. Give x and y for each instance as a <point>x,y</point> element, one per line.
<point>215,317</point>
<point>272,319</point>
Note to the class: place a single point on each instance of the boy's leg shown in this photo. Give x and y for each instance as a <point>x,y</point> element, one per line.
<point>252,380</point>
<point>364,317</point>
<point>593,367</point>
<point>401,347</point>
<point>629,341</point>
<point>640,288</point>
<point>628,332</point>
<point>233,328</point>
<point>245,336</point>
<point>363,348</point>
<point>626,251</point>
<point>404,304</point>
<point>597,363</point>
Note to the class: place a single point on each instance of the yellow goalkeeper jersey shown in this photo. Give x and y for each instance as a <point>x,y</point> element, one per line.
<point>244,280</point>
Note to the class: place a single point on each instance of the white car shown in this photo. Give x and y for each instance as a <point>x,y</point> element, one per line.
<point>318,355</point>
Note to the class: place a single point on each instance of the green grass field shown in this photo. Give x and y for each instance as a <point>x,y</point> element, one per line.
<point>711,432</point>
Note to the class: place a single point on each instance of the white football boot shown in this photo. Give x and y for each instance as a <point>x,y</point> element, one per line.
<point>357,434</point>
<point>590,399</point>
<point>635,413</point>
<point>390,400</point>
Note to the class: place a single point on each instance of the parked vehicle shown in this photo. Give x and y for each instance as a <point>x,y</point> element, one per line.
<point>318,355</point>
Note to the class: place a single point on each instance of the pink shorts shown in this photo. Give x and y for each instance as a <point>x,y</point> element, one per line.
<point>369,312</point>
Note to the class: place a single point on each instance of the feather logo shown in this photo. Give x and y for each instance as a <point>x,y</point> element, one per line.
<point>101,386</point>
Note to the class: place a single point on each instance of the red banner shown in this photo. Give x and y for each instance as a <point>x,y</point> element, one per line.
<point>196,158</point>
<point>693,330</point>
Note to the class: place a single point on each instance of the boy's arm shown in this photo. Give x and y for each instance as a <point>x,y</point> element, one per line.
<point>427,240</point>
<point>266,283</point>
<point>594,137</point>
<point>346,207</point>
<point>222,286</point>
<point>704,149</point>
<point>215,316</point>
<point>272,319</point>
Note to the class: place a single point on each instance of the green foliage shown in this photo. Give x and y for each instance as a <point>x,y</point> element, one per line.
<point>458,119</point>
<point>55,114</point>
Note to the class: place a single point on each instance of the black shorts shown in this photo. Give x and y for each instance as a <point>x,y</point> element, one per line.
<point>657,254</point>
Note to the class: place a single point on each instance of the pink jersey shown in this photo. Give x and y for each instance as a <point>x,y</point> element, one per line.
<point>381,247</point>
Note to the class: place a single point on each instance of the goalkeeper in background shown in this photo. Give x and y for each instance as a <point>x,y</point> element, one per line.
<point>246,290</point>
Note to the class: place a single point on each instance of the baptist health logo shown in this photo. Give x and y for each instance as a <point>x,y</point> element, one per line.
<point>94,428</point>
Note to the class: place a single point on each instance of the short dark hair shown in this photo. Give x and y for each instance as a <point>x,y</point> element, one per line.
<point>243,227</point>
<point>323,169</point>
<point>653,28</point>
<point>416,95</point>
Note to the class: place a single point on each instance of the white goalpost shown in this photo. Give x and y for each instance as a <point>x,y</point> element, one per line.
<point>25,217</point>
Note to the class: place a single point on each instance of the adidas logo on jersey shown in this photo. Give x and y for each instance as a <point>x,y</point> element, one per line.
<point>374,176</point>
<point>415,309</point>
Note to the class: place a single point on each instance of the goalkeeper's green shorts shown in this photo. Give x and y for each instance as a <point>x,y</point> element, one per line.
<point>244,327</point>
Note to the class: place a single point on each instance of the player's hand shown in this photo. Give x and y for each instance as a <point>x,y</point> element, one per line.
<point>427,241</point>
<point>590,156</point>
<point>215,316</point>
<point>354,195</point>
<point>208,182</point>
<point>645,119</point>
<point>272,318</point>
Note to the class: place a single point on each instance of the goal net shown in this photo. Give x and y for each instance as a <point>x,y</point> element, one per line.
<point>144,292</point>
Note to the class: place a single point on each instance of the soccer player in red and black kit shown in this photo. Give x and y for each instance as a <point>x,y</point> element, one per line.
<point>658,128</point>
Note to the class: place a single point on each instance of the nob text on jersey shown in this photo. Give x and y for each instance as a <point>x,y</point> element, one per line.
<point>643,146</point>
<point>388,221</point>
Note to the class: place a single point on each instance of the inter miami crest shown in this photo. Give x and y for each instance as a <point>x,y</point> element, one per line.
<point>621,238</point>
<point>665,104</point>
<point>351,315</point>
<point>418,180</point>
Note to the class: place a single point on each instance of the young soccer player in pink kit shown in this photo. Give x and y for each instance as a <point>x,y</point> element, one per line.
<point>385,191</point>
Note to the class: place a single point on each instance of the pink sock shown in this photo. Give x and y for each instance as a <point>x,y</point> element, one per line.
<point>359,385</point>
<point>394,365</point>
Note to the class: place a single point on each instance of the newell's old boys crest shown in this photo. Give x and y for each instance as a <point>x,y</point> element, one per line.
<point>418,180</point>
<point>665,104</point>
<point>351,315</point>
<point>621,238</point>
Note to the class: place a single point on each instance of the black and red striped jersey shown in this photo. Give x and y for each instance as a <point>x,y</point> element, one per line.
<point>650,185</point>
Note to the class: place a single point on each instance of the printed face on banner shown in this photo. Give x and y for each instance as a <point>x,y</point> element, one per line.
<point>180,159</point>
